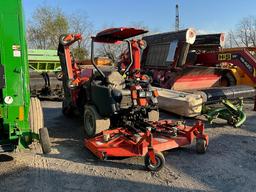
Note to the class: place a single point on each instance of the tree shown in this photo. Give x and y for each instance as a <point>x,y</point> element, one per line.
<point>45,28</point>
<point>79,24</point>
<point>244,34</point>
<point>48,23</point>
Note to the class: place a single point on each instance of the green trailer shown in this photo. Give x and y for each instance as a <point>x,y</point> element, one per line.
<point>41,60</point>
<point>21,117</point>
<point>45,74</point>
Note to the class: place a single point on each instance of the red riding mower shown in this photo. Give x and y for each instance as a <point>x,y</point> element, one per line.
<point>121,117</point>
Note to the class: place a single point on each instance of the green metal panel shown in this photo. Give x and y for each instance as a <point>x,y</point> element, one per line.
<point>44,60</point>
<point>13,56</point>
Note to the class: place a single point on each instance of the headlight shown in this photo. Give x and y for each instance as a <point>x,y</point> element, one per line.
<point>149,94</point>
<point>142,94</point>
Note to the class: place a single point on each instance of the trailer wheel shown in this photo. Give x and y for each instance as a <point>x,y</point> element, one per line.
<point>201,146</point>
<point>36,121</point>
<point>93,122</point>
<point>160,162</point>
<point>45,140</point>
<point>36,118</point>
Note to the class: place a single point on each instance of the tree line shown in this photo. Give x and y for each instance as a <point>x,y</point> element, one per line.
<point>244,34</point>
<point>48,23</point>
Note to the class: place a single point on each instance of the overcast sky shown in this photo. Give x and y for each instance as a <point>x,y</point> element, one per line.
<point>158,15</point>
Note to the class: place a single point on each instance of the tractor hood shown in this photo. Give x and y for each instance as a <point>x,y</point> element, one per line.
<point>114,35</point>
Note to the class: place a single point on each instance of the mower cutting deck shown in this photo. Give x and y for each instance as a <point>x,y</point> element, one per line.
<point>156,137</point>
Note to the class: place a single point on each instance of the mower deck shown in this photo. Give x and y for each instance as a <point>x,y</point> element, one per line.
<point>163,135</point>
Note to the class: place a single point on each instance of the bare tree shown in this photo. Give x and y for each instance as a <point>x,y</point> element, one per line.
<point>48,23</point>
<point>244,34</point>
<point>79,23</point>
<point>45,28</point>
<point>231,40</point>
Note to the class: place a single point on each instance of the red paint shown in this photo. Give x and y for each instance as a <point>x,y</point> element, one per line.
<point>124,144</point>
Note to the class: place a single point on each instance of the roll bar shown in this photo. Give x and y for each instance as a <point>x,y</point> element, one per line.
<point>98,69</point>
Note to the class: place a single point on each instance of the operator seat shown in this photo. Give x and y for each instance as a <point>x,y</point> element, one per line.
<point>119,92</point>
<point>115,80</point>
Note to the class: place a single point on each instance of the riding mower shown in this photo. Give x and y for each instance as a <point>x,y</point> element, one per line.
<point>119,108</point>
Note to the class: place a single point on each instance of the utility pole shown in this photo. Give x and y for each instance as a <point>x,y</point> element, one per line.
<point>177,19</point>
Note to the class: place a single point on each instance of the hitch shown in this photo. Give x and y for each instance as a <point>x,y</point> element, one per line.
<point>232,112</point>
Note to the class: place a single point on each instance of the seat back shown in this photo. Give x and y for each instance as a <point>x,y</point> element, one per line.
<point>116,80</point>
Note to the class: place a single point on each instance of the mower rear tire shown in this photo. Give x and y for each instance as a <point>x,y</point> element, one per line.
<point>201,146</point>
<point>45,140</point>
<point>160,162</point>
<point>93,122</point>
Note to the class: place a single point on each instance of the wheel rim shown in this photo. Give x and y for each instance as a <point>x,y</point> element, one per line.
<point>158,163</point>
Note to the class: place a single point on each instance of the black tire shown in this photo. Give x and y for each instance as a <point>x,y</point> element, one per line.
<point>45,140</point>
<point>159,165</point>
<point>228,80</point>
<point>36,118</point>
<point>67,110</point>
<point>201,146</point>
<point>93,122</point>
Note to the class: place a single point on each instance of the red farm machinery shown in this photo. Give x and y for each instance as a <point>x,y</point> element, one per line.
<point>184,61</point>
<point>176,61</point>
<point>120,108</point>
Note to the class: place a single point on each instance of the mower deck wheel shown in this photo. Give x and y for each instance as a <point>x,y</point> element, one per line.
<point>201,146</point>
<point>160,162</point>
<point>93,122</point>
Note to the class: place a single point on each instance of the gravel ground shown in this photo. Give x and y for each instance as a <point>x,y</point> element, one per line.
<point>228,165</point>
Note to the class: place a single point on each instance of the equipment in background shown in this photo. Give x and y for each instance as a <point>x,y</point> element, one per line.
<point>45,74</point>
<point>21,117</point>
<point>239,64</point>
<point>120,110</point>
<point>169,62</point>
<point>203,64</point>
<point>177,18</point>
<point>219,102</point>
<point>231,99</point>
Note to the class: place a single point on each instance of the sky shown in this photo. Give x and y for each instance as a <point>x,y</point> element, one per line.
<point>206,16</point>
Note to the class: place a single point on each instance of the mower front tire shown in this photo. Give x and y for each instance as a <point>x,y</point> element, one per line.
<point>160,162</point>
<point>93,122</point>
